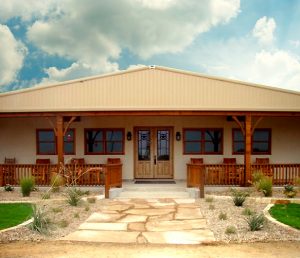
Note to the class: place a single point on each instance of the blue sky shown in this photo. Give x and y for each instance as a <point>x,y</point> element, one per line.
<point>44,42</point>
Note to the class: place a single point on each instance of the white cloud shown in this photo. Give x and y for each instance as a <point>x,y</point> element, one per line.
<point>264,30</point>
<point>27,9</point>
<point>94,33</point>
<point>12,53</point>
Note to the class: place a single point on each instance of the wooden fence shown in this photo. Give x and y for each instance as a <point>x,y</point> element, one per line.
<point>232,174</point>
<point>109,175</point>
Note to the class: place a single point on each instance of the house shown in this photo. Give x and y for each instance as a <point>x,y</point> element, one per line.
<point>155,119</point>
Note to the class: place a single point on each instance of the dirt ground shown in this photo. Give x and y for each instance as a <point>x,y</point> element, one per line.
<point>68,249</point>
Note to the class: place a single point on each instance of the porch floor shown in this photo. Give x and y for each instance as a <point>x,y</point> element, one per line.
<point>156,221</point>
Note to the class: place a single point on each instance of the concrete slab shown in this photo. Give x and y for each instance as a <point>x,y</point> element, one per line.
<point>175,225</point>
<point>180,237</point>
<point>104,217</point>
<point>149,212</point>
<point>136,226</point>
<point>103,226</point>
<point>133,218</point>
<point>188,213</point>
<point>103,236</point>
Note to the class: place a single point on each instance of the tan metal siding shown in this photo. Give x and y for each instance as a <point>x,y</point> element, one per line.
<point>150,89</point>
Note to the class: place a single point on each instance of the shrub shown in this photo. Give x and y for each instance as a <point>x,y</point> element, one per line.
<point>230,230</point>
<point>56,209</point>
<point>57,180</point>
<point>239,197</point>
<point>222,216</point>
<point>247,212</point>
<point>256,177</point>
<point>87,208</point>
<point>211,207</point>
<point>289,191</point>
<point>8,188</point>
<point>91,200</point>
<point>297,181</point>
<point>209,199</point>
<point>73,198</point>
<point>27,185</point>
<point>40,222</point>
<point>76,215</point>
<point>256,221</point>
<point>265,185</point>
<point>46,196</point>
<point>63,223</point>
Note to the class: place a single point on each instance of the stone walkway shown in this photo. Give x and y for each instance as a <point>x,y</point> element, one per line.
<point>157,221</point>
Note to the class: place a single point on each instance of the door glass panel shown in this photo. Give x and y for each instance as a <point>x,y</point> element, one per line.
<point>163,152</point>
<point>144,145</point>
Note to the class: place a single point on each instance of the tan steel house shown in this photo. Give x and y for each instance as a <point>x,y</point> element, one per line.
<point>155,119</point>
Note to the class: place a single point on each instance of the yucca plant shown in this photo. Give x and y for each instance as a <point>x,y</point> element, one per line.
<point>239,197</point>
<point>73,198</point>
<point>255,221</point>
<point>40,221</point>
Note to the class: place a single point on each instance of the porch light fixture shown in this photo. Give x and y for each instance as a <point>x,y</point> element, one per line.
<point>178,136</point>
<point>129,136</point>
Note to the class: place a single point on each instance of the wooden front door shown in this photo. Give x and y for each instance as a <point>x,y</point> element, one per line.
<point>153,152</point>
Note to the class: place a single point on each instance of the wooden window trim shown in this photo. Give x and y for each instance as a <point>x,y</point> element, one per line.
<point>55,141</point>
<point>38,142</point>
<point>269,152</point>
<point>105,152</point>
<point>74,142</point>
<point>203,141</point>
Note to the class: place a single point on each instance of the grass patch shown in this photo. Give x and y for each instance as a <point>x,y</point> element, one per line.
<point>288,214</point>
<point>12,214</point>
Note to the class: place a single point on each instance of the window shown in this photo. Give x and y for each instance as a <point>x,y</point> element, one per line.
<point>261,141</point>
<point>104,141</point>
<point>203,141</point>
<point>46,142</point>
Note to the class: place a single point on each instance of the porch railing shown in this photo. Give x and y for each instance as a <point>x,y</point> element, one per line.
<point>109,175</point>
<point>232,174</point>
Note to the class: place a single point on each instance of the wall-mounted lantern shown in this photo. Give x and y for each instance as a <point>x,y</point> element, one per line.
<point>129,136</point>
<point>178,136</point>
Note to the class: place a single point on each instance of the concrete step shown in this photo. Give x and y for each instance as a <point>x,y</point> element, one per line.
<point>147,188</point>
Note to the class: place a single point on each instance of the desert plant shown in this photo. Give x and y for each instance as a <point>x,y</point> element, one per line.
<point>87,208</point>
<point>239,197</point>
<point>73,198</point>
<point>40,221</point>
<point>63,223</point>
<point>289,191</point>
<point>257,176</point>
<point>255,221</point>
<point>76,215</point>
<point>230,230</point>
<point>222,216</point>
<point>297,181</point>
<point>56,182</point>
<point>56,209</point>
<point>265,185</point>
<point>211,207</point>
<point>27,185</point>
<point>46,196</point>
<point>247,212</point>
<point>8,188</point>
<point>209,199</point>
<point>91,199</point>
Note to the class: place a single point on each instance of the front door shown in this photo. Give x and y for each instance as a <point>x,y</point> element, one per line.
<point>153,152</point>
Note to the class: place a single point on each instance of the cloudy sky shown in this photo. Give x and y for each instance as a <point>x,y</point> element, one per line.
<point>47,41</point>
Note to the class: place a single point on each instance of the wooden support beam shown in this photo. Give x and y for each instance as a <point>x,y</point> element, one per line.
<point>239,123</point>
<point>256,124</point>
<point>248,148</point>
<point>52,125</point>
<point>69,123</point>
<point>60,139</point>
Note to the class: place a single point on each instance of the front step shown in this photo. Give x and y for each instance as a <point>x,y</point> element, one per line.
<point>148,195</point>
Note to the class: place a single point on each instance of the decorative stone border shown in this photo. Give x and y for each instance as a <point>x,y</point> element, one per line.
<point>270,218</point>
<point>25,223</point>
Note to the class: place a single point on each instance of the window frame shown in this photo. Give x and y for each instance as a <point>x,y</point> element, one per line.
<point>203,141</point>
<point>104,141</point>
<point>269,152</point>
<point>55,141</point>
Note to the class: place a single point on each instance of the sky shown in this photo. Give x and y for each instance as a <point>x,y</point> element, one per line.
<point>48,41</point>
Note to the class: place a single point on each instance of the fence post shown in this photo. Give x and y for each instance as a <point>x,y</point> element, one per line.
<point>202,181</point>
<point>107,182</point>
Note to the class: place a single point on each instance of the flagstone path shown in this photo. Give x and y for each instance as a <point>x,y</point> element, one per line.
<point>157,221</point>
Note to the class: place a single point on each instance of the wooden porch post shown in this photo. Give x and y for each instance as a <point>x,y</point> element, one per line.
<point>60,139</point>
<point>247,160</point>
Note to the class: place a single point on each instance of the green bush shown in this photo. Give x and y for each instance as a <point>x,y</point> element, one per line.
<point>40,222</point>
<point>239,197</point>
<point>56,182</point>
<point>257,176</point>
<point>73,198</point>
<point>256,221</point>
<point>289,191</point>
<point>8,188</point>
<point>209,199</point>
<point>247,212</point>
<point>230,230</point>
<point>265,185</point>
<point>27,185</point>
<point>222,216</point>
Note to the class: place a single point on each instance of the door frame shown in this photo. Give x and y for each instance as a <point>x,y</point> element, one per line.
<point>135,146</point>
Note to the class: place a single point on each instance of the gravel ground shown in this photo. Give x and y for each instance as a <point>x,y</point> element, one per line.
<point>65,218</point>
